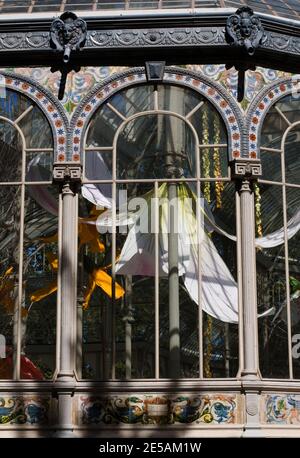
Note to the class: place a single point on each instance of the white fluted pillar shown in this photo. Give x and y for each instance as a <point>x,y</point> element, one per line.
<point>68,176</point>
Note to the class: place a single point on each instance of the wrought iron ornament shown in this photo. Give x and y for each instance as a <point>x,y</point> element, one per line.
<point>68,33</point>
<point>244,29</point>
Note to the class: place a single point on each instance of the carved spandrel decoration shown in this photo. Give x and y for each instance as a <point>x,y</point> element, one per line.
<point>244,29</point>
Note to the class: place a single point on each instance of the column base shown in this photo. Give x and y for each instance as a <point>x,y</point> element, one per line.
<point>252,431</point>
<point>64,434</point>
<point>250,375</point>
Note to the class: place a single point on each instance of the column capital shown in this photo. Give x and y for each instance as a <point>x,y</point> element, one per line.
<point>70,172</point>
<point>249,169</point>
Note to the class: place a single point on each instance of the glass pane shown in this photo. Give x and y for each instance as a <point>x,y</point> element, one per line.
<point>219,284</point>
<point>136,356</point>
<point>13,104</point>
<point>292,157</point>
<point>40,280</point>
<point>9,262</point>
<point>36,129</point>
<point>110,5</point>
<point>134,308</point>
<point>289,106</point>
<point>46,5</point>
<point>271,166</point>
<point>293,198</point>
<point>39,166</point>
<point>134,100</point>
<point>214,162</point>
<point>271,286</point>
<point>168,147</point>
<point>209,125</point>
<point>98,165</point>
<point>273,129</point>
<point>145,4</point>
<point>177,99</point>
<point>10,153</point>
<point>103,128</point>
<point>94,305</point>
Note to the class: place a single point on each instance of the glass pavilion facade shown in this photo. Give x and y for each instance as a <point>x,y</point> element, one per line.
<point>149,220</point>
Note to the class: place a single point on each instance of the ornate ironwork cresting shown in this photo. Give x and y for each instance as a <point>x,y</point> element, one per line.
<point>67,34</point>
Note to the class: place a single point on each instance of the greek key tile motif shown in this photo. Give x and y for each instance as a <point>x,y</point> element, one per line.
<point>24,410</point>
<point>281,409</point>
<point>159,409</point>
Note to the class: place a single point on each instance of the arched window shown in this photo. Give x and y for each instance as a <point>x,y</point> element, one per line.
<point>278,266</point>
<point>28,240</point>
<point>159,286</point>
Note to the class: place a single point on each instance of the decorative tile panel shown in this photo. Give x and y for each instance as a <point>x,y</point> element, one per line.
<point>156,409</point>
<point>24,410</point>
<point>280,409</point>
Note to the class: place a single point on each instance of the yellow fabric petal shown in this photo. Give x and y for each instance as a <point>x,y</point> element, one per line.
<point>104,281</point>
<point>100,278</point>
<point>53,260</point>
<point>9,271</point>
<point>44,292</point>
<point>88,234</point>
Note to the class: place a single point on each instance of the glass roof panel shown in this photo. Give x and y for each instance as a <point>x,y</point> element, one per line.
<point>283,8</point>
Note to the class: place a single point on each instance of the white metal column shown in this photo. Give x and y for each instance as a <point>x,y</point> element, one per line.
<point>68,176</point>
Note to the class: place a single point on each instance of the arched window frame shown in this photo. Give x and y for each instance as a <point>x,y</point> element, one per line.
<point>224,104</point>
<point>257,112</point>
<point>58,123</point>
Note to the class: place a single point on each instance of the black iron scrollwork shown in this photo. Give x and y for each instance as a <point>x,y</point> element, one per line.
<point>67,34</point>
<point>244,29</point>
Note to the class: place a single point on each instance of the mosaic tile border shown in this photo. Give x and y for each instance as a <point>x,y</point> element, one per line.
<point>48,104</point>
<point>260,107</point>
<point>214,92</point>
